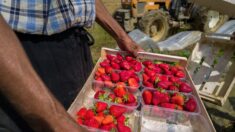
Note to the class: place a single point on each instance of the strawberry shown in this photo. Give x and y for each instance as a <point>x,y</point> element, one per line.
<point>105,63</point>
<point>89,114</point>
<point>133,82</point>
<point>120,84</point>
<point>148,84</point>
<point>82,112</point>
<point>108,84</point>
<point>101,113</point>
<point>129,58</point>
<point>108,69</point>
<point>118,100</point>
<point>173,79</point>
<point>150,73</point>
<point>79,121</point>
<point>190,105</point>
<point>153,79</point>
<point>174,69</point>
<point>115,77</point>
<point>99,118</point>
<point>100,106</point>
<point>163,78</point>
<point>167,72</point>
<point>105,77</point>
<point>164,66</point>
<point>179,107</point>
<point>101,70</point>
<point>180,74</point>
<point>151,66</point>
<point>173,88</point>
<point>98,79</point>
<point>123,128</point>
<point>99,94</point>
<point>124,75</point>
<point>121,119</point>
<point>119,91</point>
<point>125,65</point>
<point>117,111</point>
<point>97,74</point>
<point>147,97</point>
<point>165,98</point>
<point>135,76</point>
<point>177,99</point>
<point>111,97</point>
<point>119,57</point>
<point>115,66</point>
<point>164,84</point>
<point>168,105</point>
<point>137,67</point>
<point>92,122</point>
<point>108,119</point>
<point>146,63</point>
<point>109,127</point>
<point>157,70</point>
<point>145,77</point>
<point>156,97</point>
<point>129,98</point>
<point>110,57</point>
<point>184,87</point>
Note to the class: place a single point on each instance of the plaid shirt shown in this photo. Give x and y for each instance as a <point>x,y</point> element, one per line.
<point>47,16</point>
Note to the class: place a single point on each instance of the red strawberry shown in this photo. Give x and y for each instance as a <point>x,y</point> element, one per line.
<point>82,112</point>
<point>153,79</point>
<point>124,75</point>
<point>129,58</point>
<point>108,84</point>
<point>98,79</point>
<point>92,122</point>
<point>121,84</point>
<point>150,66</point>
<point>89,114</point>
<point>119,91</point>
<point>105,63</point>
<point>115,77</point>
<point>125,65</point>
<point>115,65</point>
<point>129,98</point>
<point>108,69</point>
<point>173,79</point>
<point>108,119</point>
<point>150,73</point>
<point>111,57</point>
<point>179,107</point>
<point>117,111</point>
<point>163,78</point>
<point>164,84</point>
<point>108,127</point>
<point>133,82</point>
<point>164,66</point>
<point>123,128</point>
<point>99,94</point>
<point>180,74</point>
<point>174,69</point>
<point>147,97</point>
<point>168,105</point>
<point>147,62</point>
<point>165,98</point>
<point>121,119</point>
<point>97,74</point>
<point>105,77</point>
<point>135,76</point>
<point>148,84</point>
<point>177,99</point>
<point>80,121</point>
<point>156,97</point>
<point>101,70</point>
<point>137,67</point>
<point>145,77</point>
<point>173,88</point>
<point>190,105</point>
<point>99,118</point>
<point>184,87</point>
<point>119,57</point>
<point>100,106</point>
<point>167,72</point>
<point>157,70</point>
<point>112,97</point>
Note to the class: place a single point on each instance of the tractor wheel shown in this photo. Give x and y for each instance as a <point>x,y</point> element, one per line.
<point>155,24</point>
<point>208,20</point>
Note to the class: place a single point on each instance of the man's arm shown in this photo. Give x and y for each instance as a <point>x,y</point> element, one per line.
<point>20,84</point>
<point>112,27</point>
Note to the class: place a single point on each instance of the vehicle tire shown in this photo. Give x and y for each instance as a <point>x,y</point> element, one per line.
<point>155,24</point>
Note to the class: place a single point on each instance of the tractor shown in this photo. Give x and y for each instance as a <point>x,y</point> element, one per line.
<point>160,18</point>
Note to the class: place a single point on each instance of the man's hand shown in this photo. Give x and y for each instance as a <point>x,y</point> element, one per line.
<point>112,27</point>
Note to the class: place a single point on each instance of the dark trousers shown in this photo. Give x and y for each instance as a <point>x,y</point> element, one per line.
<point>63,61</point>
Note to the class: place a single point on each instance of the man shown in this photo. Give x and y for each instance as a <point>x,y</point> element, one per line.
<point>51,33</point>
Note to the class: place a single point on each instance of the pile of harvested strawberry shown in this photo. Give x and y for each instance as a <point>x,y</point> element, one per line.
<point>119,95</point>
<point>169,100</point>
<point>111,77</point>
<point>104,117</point>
